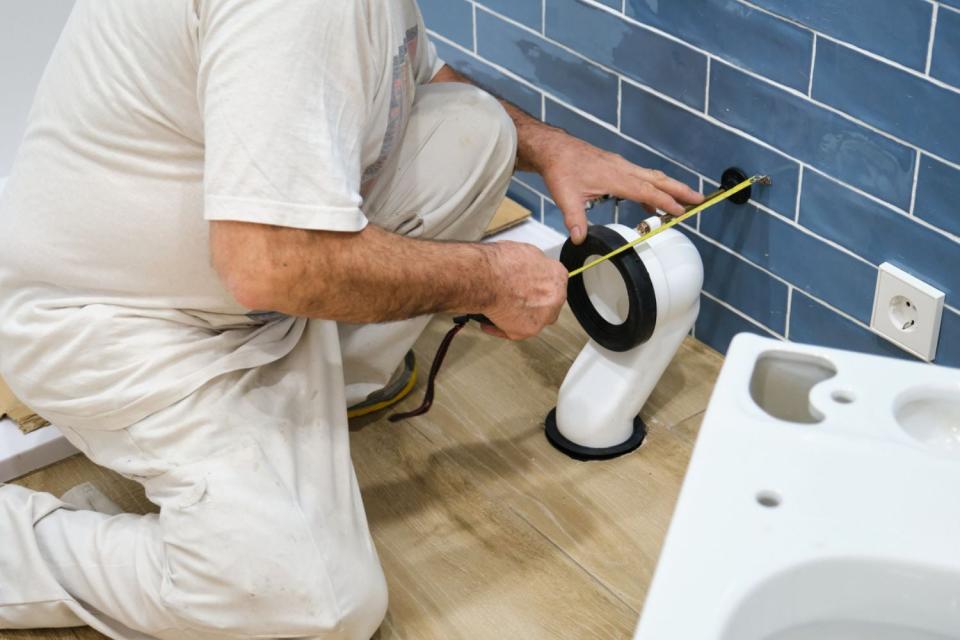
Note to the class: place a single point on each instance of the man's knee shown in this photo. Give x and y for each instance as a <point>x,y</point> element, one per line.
<point>242,561</point>
<point>493,124</point>
<point>291,593</point>
<point>484,130</point>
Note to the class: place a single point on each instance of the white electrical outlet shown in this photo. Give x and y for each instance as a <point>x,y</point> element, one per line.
<point>907,311</point>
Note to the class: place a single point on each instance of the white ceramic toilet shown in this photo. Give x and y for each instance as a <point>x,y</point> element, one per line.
<point>822,502</point>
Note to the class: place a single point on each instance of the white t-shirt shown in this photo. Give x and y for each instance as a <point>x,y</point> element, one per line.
<point>154,117</point>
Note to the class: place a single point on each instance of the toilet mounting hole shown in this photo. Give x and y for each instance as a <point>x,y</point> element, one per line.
<point>842,396</point>
<point>768,499</point>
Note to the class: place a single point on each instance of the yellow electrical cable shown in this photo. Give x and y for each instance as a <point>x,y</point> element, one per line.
<point>706,204</point>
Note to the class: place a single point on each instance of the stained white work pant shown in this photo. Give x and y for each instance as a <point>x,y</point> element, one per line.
<point>261,531</point>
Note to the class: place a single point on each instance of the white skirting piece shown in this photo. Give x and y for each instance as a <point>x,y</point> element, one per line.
<point>535,233</point>
<point>22,453</point>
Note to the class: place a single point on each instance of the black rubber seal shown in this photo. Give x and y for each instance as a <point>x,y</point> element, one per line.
<point>731,178</point>
<point>577,452</point>
<point>642,315</point>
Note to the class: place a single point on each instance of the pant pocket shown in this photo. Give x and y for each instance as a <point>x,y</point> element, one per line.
<point>239,556</point>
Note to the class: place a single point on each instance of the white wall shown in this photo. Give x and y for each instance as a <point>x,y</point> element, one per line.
<point>28,31</point>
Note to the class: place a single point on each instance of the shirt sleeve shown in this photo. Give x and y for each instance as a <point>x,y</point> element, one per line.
<point>283,90</point>
<point>428,63</point>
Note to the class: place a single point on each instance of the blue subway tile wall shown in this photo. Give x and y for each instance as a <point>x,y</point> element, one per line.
<point>896,29</point>
<point>543,63</point>
<point>880,234</point>
<point>529,12</point>
<point>736,32</point>
<point>852,106</point>
<point>647,57</point>
<point>599,135</point>
<point>452,18</point>
<point>718,325</point>
<point>680,134</point>
<point>906,105</point>
<point>813,134</point>
<point>742,285</point>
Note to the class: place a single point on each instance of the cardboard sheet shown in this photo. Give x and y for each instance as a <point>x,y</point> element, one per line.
<point>20,413</point>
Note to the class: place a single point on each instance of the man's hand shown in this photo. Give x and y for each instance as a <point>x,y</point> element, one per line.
<point>577,172</point>
<point>531,290</point>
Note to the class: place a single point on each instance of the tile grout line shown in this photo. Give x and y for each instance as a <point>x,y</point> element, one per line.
<point>916,180</point>
<point>933,37</point>
<point>476,42</point>
<point>619,103</point>
<point>702,186</point>
<point>796,213</point>
<point>813,63</point>
<point>706,92</point>
<point>786,328</point>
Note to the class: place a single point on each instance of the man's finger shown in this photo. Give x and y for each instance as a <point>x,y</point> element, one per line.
<point>646,193</point>
<point>575,218</point>
<point>676,189</point>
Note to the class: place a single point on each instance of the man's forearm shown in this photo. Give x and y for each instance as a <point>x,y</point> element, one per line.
<point>534,138</point>
<point>370,276</point>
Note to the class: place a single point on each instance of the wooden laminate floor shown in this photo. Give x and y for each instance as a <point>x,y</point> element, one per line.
<point>483,529</point>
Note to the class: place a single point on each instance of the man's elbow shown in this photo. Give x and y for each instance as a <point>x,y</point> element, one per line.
<point>241,256</point>
<point>252,291</point>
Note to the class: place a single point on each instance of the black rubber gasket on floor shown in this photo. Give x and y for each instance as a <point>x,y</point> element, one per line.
<point>642,314</point>
<point>578,452</point>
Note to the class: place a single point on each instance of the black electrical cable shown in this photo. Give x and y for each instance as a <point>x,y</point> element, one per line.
<point>459,323</point>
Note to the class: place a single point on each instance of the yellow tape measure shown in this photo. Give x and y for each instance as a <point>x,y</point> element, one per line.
<point>720,196</point>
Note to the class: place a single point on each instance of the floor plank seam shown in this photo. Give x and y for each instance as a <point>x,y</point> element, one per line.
<point>563,551</point>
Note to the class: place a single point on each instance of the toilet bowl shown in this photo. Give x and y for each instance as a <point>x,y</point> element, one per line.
<point>931,415</point>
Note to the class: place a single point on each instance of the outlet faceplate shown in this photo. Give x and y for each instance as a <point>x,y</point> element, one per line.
<point>907,311</point>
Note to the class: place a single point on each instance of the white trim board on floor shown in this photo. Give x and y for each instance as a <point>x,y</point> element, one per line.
<point>22,453</point>
<point>535,233</point>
